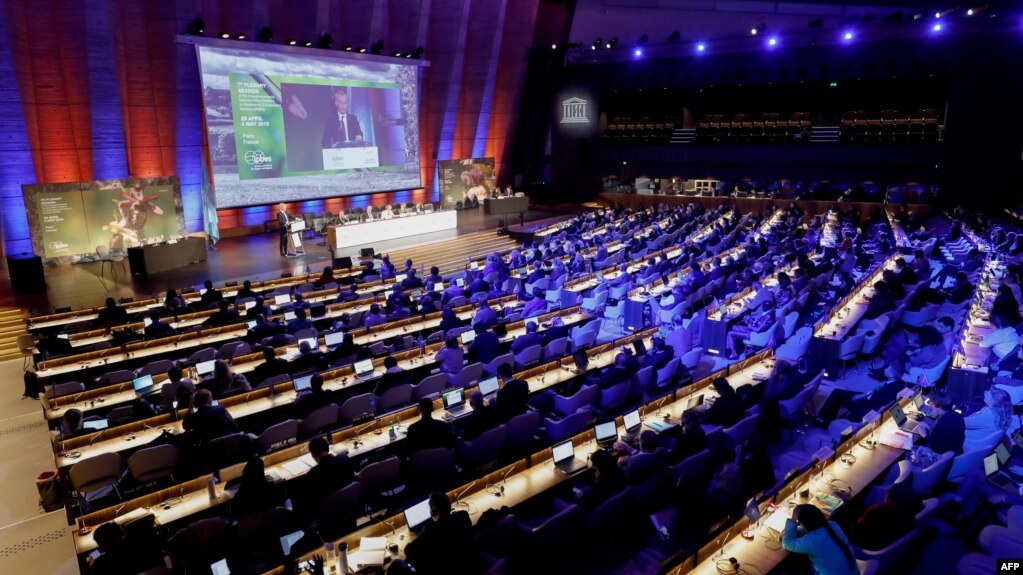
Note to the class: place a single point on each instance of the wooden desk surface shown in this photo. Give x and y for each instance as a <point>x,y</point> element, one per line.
<point>847,314</point>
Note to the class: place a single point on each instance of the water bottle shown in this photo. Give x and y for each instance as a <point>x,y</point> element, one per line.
<point>211,487</point>
<point>342,558</point>
<point>392,434</point>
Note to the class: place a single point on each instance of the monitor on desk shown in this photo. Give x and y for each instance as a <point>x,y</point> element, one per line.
<point>282,299</point>
<point>143,385</point>
<point>289,315</point>
<point>563,451</point>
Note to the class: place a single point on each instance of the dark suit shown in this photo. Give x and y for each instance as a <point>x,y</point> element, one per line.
<point>511,399</point>
<point>282,221</point>
<point>428,433</point>
<point>268,369</point>
<point>485,347</point>
<point>329,475</point>
<point>526,340</point>
<point>210,422</point>
<point>333,134</point>
<point>112,316</point>
<point>948,433</point>
<point>477,422</point>
<point>389,380</point>
<point>158,329</point>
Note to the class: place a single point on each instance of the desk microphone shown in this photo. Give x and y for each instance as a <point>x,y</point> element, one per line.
<point>458,497</point>
<point>118,510</point>
<point>95,437</point>
<point>504,478</point>
<point>356,442</point>
<point>657,410</point>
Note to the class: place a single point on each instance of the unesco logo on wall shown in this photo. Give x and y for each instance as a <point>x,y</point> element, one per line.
<point>573,111</point>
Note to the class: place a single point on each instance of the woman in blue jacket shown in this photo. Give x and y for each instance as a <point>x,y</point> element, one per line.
<point>810,533</point>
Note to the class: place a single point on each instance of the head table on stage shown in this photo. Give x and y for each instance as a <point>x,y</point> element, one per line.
<point>354,234</point>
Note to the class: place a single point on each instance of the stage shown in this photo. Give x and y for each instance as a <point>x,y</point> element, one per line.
<point>253,257</point>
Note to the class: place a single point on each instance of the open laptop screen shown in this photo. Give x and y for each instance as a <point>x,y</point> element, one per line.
<point>288,541</point>
<point>95,424</point>
<point>488,385</point>
<point>220,568</point>
<point>453,398</point>
<point>606,430</point>
<point>205,367</point>
<point>334,338</point>
<point>438,286</point>
<point>694,401</point>
<point>143,385</point>
<point>563,452</point>
<point>1002,452</point>
<point>990,464</point>
<point>363,367</point>
<point>417,514</point>
<point>468,336</point>
<point>632,420</point>
<point>281,299</point>
<point>303,383</point>
<point>898,415</point>
<point>312,341</point>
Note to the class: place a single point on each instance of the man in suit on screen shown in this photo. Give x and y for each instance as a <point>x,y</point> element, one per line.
<point>342,128</point>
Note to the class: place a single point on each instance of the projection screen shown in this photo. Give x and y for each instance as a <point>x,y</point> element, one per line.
<point>293,125</point>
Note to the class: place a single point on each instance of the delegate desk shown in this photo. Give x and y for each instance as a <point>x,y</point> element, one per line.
<point>355,234</point>
<point>157,258</point>
<point>505,206</point>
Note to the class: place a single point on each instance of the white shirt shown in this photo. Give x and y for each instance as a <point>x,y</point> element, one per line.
<point>343,121</point>
<point>1001,341</point>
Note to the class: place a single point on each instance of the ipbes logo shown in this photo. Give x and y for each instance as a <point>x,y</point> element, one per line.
<point>1010,565</point>
<point>57,246</point>
<point>257,158</point>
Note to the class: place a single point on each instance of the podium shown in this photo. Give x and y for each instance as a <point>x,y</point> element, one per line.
<point>295,229</point>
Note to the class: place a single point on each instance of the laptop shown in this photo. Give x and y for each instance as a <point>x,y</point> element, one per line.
<point>333,339</point>
<point>288,542</point>
<point>455,405</point>
<point>997,477</point>
<point>400,278</point>
<point>220,568</point>
<point>694,408</point>
<point>438,286</point>
<point>467,336</point>
<point>313,342</point>
<point>632,422</point>
<point>460,282</point>
<point>364,368</point>
<point>416,294</point>
<point>387,293</point>
<point>417,516</point>
<point>95,424</point>
<point>250,324</point>
<point>143,385</point>
<point>902,421</point>
<point>565,461</point>
<point>303,384</point>
<point>489,386</point>
<point>249,305</point>
<point>606,433</point>
<point>289,315</point>
<point>474,266</point>
<point>204,368</point>
<point>147,322</point>
<point>282,299</point>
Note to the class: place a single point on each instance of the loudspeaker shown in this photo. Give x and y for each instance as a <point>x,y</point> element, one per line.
<point>367,252</point>
<point>344,263</point>
<point>26,273</point>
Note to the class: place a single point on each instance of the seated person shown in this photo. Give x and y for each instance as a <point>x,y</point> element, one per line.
<point>309,358</point>
<point>255,493</point>
<point>480,420</point>
<point>225,381</point>
<point>316,398</point>
<point>608,480</point>
<point>111,314</point>
<point>450,357</point>
<point>158,328</point>
<point>428,432</point>
<point>512,398</point>
<point>211,297</point>
<point>393,376</point>
<point>638,464</point>
<point>271,366</point>
<point>332,472</point>
<point>727,409</point>
<point>430,553</point>
<point>885,523</point>
<point>208,421</point>
<point>169,389</point>
<point>300,322</point>
<point>225,315</point>
<point>123,553</point>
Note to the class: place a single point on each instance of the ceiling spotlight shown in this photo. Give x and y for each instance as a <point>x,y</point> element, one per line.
<point>847,36</point>
<point>937,14</point>
<point>225,35</point>
<point>377,47</point>
<point>362,50</point>
<point>408,56</point>
<point>936,27</point>
<point>347,48</point>
<point>325,41</point>
<point>773,41</point>
<point>638,52</point>
<point>969,12</point>
<point>701,47</point>
<point>195,28</point>
<point>753,31</point>
<point>239,36</point>
<point>554,46</point>
<point>674,37</point>
<point>292,42</point>
<point>307,43</point>
<point>593,47</point>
